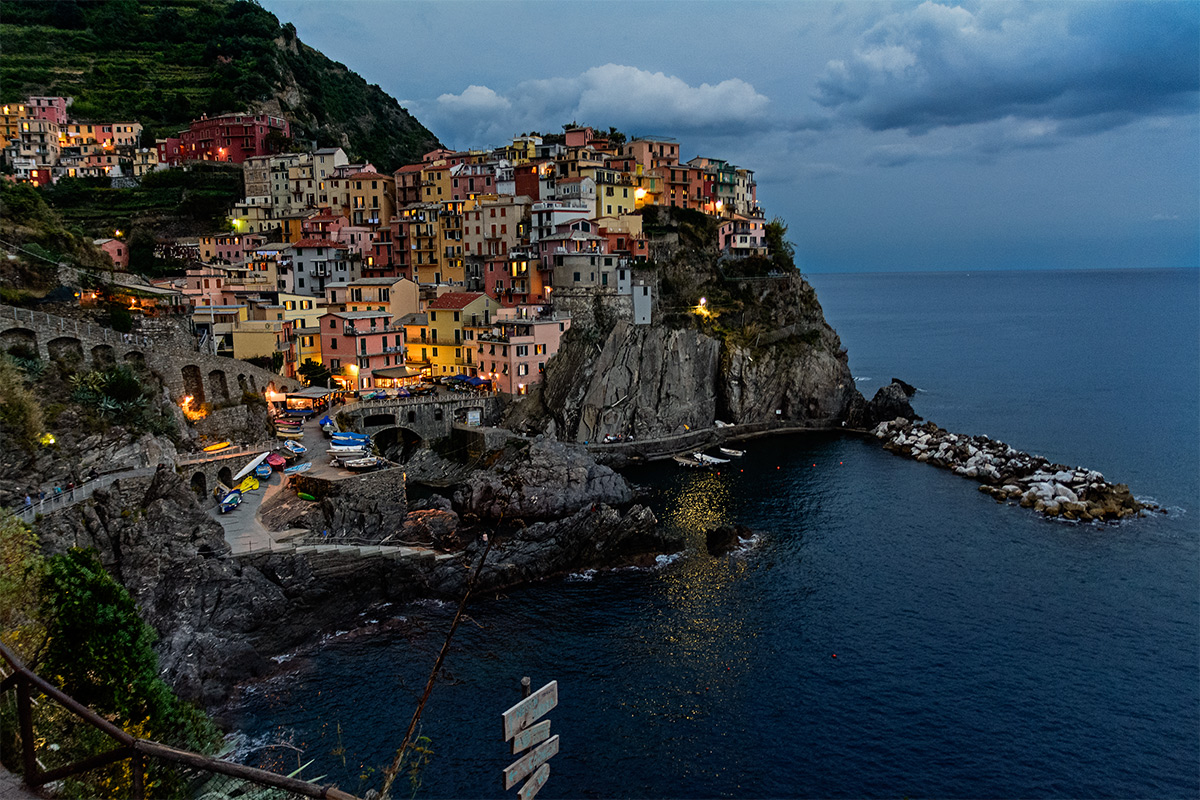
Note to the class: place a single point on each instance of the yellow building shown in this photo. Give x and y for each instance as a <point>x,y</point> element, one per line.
<point>397,296</point>
<point>257,338</point>
<point>450,344</point>
<point>301,308</point>
<point>435,183</point>
<point>372,199</point>
<point>10,115</point>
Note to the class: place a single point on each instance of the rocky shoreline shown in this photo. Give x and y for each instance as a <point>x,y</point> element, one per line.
<point>1010,475</point>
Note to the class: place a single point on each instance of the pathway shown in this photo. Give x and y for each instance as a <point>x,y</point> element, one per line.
<point>68,498</point>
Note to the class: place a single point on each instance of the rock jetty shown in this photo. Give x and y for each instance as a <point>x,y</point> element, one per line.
<point>1010,475</point>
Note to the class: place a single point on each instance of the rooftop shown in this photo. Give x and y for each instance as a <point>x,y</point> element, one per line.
<point>454,300</point>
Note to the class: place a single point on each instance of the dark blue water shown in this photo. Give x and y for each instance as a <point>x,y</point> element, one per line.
<point>980,650</point>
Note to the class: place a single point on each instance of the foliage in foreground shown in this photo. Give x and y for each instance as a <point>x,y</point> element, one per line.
<point>80,629</point>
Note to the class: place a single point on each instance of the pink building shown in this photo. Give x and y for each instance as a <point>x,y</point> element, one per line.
<point>117,251</point>
<point>207,287</point>
<point>512,354</point>
<point>48,108</point>
<point>353,343</point>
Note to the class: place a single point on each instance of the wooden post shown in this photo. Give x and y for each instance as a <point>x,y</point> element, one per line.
<point>25,720</point>
<point>137,767</point>
<point>525,690</point>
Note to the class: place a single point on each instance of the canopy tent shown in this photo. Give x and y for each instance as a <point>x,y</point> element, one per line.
<point>389,377</point>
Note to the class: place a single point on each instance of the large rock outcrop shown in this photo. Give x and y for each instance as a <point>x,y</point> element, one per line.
<point>544,481</point>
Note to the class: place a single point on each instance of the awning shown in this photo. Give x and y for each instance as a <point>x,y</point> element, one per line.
<point>395,373</point>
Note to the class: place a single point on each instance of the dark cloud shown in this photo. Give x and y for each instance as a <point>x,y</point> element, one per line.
<point>936,65</point>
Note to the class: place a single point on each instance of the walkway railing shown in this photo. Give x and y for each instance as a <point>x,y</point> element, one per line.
<point>69,497</point>
<point>138,752</point>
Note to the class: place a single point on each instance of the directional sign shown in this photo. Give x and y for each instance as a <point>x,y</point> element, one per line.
<point>529,710</point>
<point>531,736</point>
<point>534,784</point>
<point>527,763</point>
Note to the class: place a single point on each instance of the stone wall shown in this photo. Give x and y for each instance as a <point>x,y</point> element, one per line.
<point>370,506</point>
<point>207,378</point>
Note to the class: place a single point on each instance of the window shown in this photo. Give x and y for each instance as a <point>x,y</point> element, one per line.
<point>456,316</point>
<point>577,277</point>
<point>333,324</point>
<point>433,316</point>
<point>435,352</point>
<point>333,344</point>
<point>522,350</point>
<point>522,369</point>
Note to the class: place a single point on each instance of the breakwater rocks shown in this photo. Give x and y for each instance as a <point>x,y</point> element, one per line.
<point>1007,474</point>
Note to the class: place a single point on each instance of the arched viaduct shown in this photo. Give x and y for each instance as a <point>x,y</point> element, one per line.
<point>207,378</point>
<point>428,418</point>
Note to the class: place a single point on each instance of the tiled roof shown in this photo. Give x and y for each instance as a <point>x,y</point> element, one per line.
<point>317,243</point>
<point>454,300</point>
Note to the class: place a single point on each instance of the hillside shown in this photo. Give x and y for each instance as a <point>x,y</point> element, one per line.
<point>165,62</point>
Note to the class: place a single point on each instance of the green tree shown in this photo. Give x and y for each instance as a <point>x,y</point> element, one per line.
<point>314,374</point>
<point>780,250</point>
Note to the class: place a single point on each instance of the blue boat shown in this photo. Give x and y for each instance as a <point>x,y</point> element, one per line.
<point>305,467</point>
<point>231,501</point>
<point>263,471</point>
<point>351,437</point>
<point>295,447</point>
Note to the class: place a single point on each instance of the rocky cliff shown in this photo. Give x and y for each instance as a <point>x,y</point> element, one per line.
<point>765,355</point>
<point>548,508</point>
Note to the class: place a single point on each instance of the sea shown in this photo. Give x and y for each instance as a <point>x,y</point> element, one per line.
<point>887,631</point>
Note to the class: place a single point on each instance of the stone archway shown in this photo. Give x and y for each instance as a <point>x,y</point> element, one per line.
<point>66,350</point>
<point>218,385</point>
<point>398,443</point>
<point>225,476</point>
<point>135,359</point>
<point>103,356</point>
<point>20,342</point>
<point>200,484</point>
<point>245,387</point>
<point>193,384</point>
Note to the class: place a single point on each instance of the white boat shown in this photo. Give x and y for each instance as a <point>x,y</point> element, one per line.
<point>370,462</point>
<point>711,460</point>
<point>689,462</point>
<point>349,448</point>
<point>305,467</point>
<point>295,447</point>
<point>254,462</point>
<point>729,451</point>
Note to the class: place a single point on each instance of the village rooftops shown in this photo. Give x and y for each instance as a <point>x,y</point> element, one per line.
<point>415,319</point>
<point>360,314</point>
<point>307,243</point>
<point>374,281</point>
<point>454,301</point>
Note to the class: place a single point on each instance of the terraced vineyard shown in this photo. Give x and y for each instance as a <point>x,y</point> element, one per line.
<point>165,62</point>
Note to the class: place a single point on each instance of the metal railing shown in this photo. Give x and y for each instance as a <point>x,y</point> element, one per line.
<point>138,752</point>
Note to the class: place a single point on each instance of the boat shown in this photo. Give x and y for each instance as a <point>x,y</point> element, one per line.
<point>729,451</point>
<point>305,496</point>
<point>275,460</point>
<point>295,447</point>
<point>349,447</point>
<point>710,460</point>
<point>350,435</point>
<point>231,501</point>
<point>305,467</point>
<point>262,471</point>
<point>249,484</point>
<point>288,434</point>
<point>689,462</point>
<point>289,421</point>
<point>325,420</point>
<point>249,468</point>
<point>370,462</point>
<point>212,448</point>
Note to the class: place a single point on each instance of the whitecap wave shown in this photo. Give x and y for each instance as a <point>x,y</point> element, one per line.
<point>863,378</point>
<point>586,575</point>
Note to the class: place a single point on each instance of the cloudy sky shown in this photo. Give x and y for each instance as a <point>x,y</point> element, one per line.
<point>889,136</point>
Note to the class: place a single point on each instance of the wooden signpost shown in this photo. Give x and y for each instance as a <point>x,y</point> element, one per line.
<point>520,728</point>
